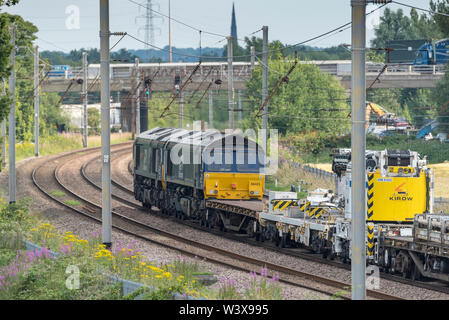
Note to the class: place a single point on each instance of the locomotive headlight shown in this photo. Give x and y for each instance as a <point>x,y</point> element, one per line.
<point>211,191</point>
<point>257,192</point>
<point>215,191</point>
<point>252,192</point>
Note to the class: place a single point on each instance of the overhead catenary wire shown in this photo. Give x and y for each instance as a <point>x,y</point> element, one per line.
<point>178,21</point>
<point>98,75</point>
<point>244,40</point>
<point>257,53</point>
<point>180,90</point>
<point>204,93</point>
<point>199,86</point>
<point>421,9</point>
<point>282,80</point>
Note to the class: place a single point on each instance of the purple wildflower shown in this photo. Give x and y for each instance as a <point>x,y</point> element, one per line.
<point>264,272</point>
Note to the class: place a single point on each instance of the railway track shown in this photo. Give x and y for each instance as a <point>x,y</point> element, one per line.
<point>46,178</point>
<point>133,204</point>
<point>300,253</point>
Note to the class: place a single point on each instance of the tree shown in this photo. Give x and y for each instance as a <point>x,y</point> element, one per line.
<point>310,102</point>
<point>93,120</point>
<point>25,35</point>
<point>441,21</point>
<point>394,25</point>
<point>5,67</point>
<point>5,52</point>
<point>424,26</point>
<point>8,2</point>
<point>441,100</point>
<point>51,117</point>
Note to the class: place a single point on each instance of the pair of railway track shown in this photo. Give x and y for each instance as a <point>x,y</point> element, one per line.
<point>46,177</point>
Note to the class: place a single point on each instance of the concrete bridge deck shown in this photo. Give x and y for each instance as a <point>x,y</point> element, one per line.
<point>122,75</point>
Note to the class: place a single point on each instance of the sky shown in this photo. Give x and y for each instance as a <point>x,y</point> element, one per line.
<point>73,24</point>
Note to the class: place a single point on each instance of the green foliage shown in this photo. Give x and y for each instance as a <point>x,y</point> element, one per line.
<point>93,120</point>
<point>57,193</point>
<point>75,57</point>
<point>435,151</point>
<point>424,26</point>
<point>73,203</point>
<point>50,113</point>
<point>441,21</point>
<point>8,2</point>
<point>416,105</point>
<point>24,37</point>
<point>395,25</point>
<point>14,222</point>
<point>287,175</point>
<point>441,98</point>
<point>311,101</point>
<point>157,104</point>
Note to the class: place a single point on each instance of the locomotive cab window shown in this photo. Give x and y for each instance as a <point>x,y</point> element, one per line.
<point>248,161</point>
<point>153,160</point>
<point>138,156</point>
<point>215,161</point>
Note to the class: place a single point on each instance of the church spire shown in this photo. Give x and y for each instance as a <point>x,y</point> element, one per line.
<point>233,24</point>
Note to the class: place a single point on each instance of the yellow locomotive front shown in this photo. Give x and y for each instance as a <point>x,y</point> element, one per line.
<point>233,174</point>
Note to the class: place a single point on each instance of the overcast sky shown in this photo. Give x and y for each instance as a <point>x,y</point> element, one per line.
<point>290,21</point>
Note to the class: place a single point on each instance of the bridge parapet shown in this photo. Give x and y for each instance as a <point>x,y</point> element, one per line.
<point>394,76</point>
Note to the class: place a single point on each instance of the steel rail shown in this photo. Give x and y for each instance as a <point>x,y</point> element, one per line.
<point>169,235</point>
<point>325,281</point>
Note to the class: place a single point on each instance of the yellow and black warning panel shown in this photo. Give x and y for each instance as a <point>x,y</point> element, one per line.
<point>283,204</point>
<point>315,212</point>
<point>370,196</point>
<point>304,206</point>
<point>370,240</point>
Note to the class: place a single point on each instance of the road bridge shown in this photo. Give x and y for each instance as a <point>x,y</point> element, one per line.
<point>163,76</point>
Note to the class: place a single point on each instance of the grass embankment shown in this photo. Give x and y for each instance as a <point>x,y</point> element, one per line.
<point>435,151</point>
<point>441,179</point>
<point>63,142</point>
<point>81,268</point>
<point>288,175</point>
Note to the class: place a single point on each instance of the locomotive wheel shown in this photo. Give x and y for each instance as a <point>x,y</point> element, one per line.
<point>277,240</point>
<point>416,275</point>
<point>250,229</point>
<point>283,241</point>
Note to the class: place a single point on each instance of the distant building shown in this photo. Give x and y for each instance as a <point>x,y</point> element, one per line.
<point>75,113</point>
<point>233,24</point>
